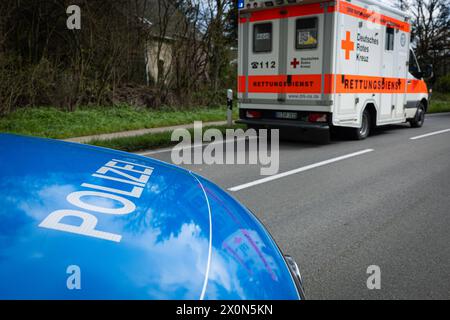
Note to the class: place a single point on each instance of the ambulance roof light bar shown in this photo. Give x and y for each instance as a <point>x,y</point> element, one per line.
<point>259,4</point>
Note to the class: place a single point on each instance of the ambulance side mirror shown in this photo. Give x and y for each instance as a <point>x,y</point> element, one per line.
<point>427,72</point>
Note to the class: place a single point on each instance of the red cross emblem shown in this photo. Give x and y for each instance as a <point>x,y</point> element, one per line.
<point>348,45</point>
<point>295,63</point>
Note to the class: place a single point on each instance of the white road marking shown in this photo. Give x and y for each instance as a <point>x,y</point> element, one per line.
<point>302,169</point>
<point>430,134</point>
<point>148,153</point>
<point>208,265</point>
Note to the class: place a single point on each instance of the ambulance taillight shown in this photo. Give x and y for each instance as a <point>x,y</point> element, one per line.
<point>317,117</point>
<point>252,114</point>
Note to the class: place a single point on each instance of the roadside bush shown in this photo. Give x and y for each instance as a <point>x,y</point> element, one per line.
<point>41,84</point>
<point>207,97</point>
<point>443,84</point>
<point>11,83</point>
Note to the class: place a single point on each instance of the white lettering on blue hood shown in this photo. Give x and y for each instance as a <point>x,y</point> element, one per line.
<point>116,170</point>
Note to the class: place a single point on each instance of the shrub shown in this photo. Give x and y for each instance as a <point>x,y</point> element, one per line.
<point>11,83</point>
<point>443,84</point>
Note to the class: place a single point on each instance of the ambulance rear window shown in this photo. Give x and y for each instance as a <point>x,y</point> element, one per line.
<point>262,37</point>
<point>306,33</point>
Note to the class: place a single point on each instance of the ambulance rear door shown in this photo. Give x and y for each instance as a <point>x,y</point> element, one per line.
<point>260,58</point>
<point>305,46</point>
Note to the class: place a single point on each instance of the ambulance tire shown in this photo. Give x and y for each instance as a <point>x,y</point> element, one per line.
<point>364,131</point>
<point>419,118</point>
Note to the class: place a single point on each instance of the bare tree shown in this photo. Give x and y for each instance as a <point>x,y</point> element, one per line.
<point>430,32</point>
<point>44,63</point>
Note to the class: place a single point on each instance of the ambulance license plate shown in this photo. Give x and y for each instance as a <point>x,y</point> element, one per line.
<point>286,115</point>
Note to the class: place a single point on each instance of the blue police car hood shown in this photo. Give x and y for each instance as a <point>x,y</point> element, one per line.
<point>80,222</point>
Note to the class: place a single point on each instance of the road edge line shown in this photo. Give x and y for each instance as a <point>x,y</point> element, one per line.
<point>298,170</point>
<point>429,134</point>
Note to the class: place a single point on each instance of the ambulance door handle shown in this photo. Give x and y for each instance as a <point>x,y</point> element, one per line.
<point>289,79</point>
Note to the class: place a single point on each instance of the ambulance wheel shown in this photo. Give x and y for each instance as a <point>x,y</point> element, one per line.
<point>364,131</point>
<point>419,119</point>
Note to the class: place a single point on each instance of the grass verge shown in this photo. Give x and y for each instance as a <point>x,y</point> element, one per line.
<point>149,141</point>
<point>440,102</point>
<point>53,123</point>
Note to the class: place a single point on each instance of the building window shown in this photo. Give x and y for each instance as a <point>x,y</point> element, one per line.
<point>390,35</point>
<point>306,33</point>
<point>262,37</point>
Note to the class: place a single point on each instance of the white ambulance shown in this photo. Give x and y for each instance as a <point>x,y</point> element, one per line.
<point>317,65</point>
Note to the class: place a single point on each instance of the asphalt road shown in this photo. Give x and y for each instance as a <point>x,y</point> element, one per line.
<point>388,207</point>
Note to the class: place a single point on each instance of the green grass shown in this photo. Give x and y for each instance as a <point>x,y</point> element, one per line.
<point>440,102</point>
<point>147,141</point>
<point>53,123</point>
